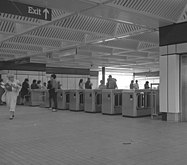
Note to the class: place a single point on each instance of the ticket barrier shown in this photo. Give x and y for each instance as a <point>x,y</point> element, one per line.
<point>155,111</point>
<point>138,103</point>
<point>93,100</point>
<point>76,100</point>
<point>112,101</point>
<point>63,98</point>
<point>45,99</point>
<point>35,98</point>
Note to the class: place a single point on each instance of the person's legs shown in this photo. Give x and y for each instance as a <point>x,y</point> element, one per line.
<point>55,101</point>
<point>13,101</point>
<point>50,103</point>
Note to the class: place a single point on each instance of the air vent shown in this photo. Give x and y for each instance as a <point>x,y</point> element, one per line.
<point>152,37</point>
<point>58,34</point>
<point>145,45</point>
<point>127,29</point>
<point>170,9</point>
<point>20,18</point>
<point>8,51</point>
<point>6,26</point>
<point>7,55</point>
<point>57,13</point>
<point>21,47</point>
<point>88,24</point>
<point>36,41</point>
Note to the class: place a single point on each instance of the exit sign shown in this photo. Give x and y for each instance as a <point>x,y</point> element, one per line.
<point>25,10</point>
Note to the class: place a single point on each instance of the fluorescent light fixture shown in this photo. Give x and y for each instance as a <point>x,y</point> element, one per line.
<point>110,39</point>
<point>123,36</point>
<point>97,42</point>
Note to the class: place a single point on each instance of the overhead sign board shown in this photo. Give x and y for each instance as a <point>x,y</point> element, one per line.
<point>26,10</point>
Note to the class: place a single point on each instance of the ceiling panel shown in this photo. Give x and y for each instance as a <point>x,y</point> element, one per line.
<point>91,33</point>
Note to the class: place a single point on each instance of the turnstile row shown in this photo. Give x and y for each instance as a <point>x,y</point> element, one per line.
<point>129,103</point>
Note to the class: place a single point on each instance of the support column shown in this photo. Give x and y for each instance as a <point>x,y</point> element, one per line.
<point>170,86</point>
<point>173,44</point>
<point>103,74</point>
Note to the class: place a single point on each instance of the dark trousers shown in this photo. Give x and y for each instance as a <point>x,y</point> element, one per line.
<point>53,96</point>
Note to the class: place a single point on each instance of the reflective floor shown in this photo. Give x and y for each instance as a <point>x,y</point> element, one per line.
<point>38,136</point>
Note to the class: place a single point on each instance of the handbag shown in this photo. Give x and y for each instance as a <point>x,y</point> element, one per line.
<point>3,97</point>
<point>8,87</point>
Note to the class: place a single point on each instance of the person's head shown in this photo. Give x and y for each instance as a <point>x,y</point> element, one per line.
<point>39,81</point>
<point>80,81</point>
<point>26,80</point>
<point>132,81</point>
<point>88,79</point>
<point>147,82</point>
<point>110,76</point>
<point>136,81</point>
<point>10,77</point>
<point>34,81</point>
<point>44,84</point>
<point>53,76</point>
<point>102,82</point>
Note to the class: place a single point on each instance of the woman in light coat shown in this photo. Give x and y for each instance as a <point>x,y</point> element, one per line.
<point>12,88</point>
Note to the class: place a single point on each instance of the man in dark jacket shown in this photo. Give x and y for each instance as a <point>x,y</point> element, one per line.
<point>88,84</point>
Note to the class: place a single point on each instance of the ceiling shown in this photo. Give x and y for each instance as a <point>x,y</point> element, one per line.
<point>118,34</point>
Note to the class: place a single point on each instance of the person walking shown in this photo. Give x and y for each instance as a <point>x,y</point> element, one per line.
<point>12,88</point>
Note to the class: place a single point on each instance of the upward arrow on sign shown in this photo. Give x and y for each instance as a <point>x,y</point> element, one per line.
<point>46,12</point>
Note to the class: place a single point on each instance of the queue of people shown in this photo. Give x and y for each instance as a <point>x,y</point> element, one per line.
<point>12,88</point>
<point>136,85</point>
<point>111,84</point>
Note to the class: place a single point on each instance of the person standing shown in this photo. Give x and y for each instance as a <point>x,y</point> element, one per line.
<point>34,85</point>
<point>39,84</point>
<point>111,83</point>
<point>102,85</point>
<point>132,84</point>
<point>146,85</point>
<point>88,84</point>
<point>136,85</point>
<point>24,90</point>
<point>53,93</point>
<point>12,88</point>
<point>81,84</point>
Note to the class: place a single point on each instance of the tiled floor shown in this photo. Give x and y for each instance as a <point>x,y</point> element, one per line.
<point>38,136</point>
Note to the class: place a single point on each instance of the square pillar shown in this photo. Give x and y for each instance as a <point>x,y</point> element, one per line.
<point>170,86</point>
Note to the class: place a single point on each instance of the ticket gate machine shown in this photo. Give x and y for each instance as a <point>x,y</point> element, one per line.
<point>139,103</point>
<point>35,98</point>
<point>63,99</point>
<point>76,100</point>
<point>112,101</point>
<point>93,100</point>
